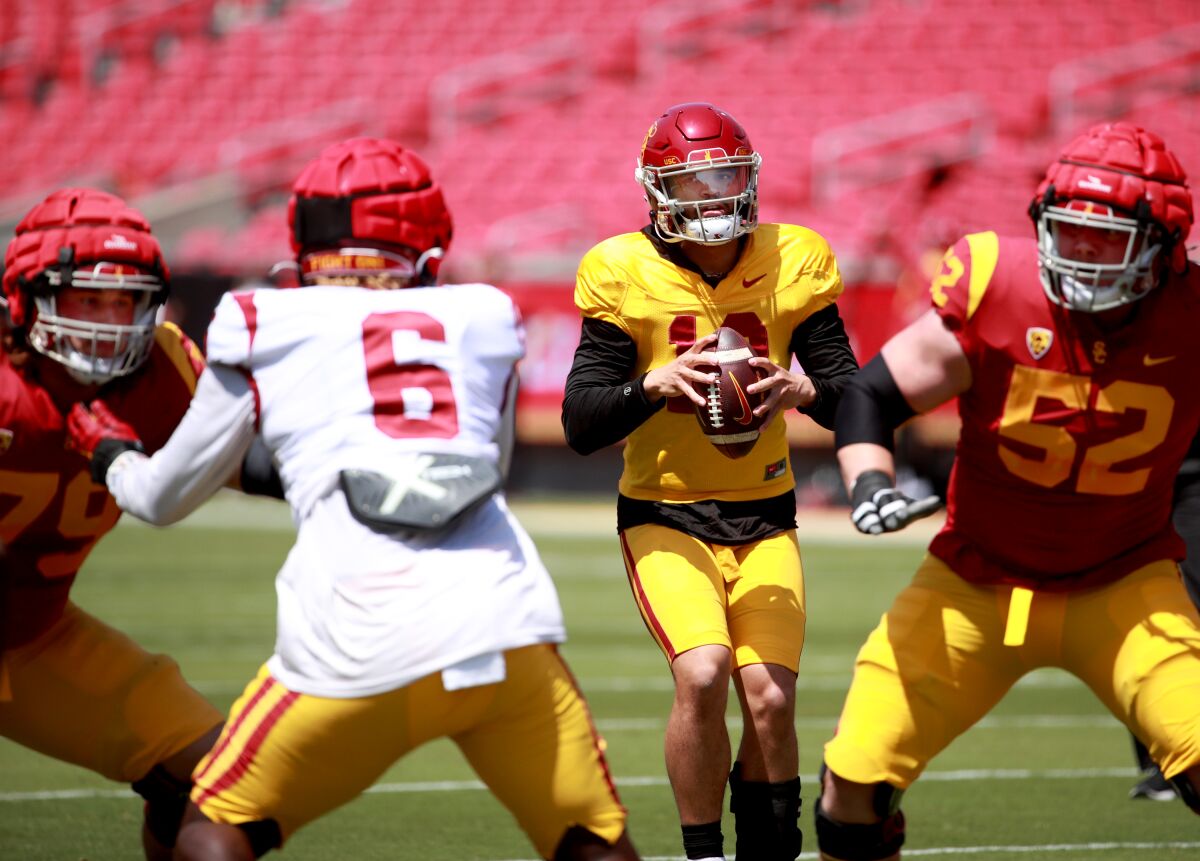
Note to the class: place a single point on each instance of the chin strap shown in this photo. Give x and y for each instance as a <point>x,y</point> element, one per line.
<point>426,273</point>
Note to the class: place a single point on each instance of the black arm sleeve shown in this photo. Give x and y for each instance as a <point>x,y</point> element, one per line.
<point>823,350</point>
<point>872,409</point>
<point>601,404</point>
<point>259,476</point>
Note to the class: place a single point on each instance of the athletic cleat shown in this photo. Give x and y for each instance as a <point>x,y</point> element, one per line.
<point>1154,787</point>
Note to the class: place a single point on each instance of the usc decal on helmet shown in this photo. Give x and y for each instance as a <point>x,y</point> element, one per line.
<point>700,174</point>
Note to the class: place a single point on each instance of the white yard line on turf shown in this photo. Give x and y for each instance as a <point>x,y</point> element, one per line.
<point>1011,849</point>
<point>1055,847</point>
<point>973,774</point>
<point>1100,721</point>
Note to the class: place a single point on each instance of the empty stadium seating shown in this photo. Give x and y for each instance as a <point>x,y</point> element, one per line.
<point>875,119</point>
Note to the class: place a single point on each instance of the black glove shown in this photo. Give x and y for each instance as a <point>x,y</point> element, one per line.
<point>877,506</point>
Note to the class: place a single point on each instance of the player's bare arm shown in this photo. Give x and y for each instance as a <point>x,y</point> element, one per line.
<point>920,368</point>
<point>927,362</point>
<point>928,367</point>
<point>681,376</point>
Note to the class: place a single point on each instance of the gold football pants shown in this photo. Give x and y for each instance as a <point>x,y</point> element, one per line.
<point>938,662</point>
<point>292,757</point>
<point>748,598</point>
<point>85,693</point>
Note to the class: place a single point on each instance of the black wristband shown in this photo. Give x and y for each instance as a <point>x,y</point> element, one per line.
<point>108,450</point>
<point>867,485</point>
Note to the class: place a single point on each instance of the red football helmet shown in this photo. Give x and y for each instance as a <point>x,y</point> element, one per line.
<point>1113,205</point>
<point>368,211</point>
<point>82,238</point>
<point>700,173</point>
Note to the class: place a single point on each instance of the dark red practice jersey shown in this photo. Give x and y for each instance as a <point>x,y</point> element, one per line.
<point>1071,434</point>
<point>51,514</point>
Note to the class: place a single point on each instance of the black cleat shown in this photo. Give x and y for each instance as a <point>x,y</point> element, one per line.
<point>1154,787</point>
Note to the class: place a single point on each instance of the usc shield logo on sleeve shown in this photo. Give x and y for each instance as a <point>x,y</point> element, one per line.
<point>1038,340</point>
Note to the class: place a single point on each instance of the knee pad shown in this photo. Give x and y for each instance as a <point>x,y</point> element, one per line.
<point>166,797</point>
<point>1186,791</point>
<point>857,842</point>
<point>765,817</point>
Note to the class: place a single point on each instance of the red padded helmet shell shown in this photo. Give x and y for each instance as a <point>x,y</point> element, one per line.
<point>76,226</point>
<point>686,142</point>
<point>691,132</point>
<point>1129,168</point>
<point>368,190</point>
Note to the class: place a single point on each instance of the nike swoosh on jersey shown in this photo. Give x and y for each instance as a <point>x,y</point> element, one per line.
<point>746,417</point>
<point>1150,362</point>
<point>750,282</point>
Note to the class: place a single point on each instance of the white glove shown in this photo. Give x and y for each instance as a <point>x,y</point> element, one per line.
<point>877,506</point>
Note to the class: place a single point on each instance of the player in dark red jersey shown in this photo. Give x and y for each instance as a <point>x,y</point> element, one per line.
<point>1073,360</point>
<point>83,281</point>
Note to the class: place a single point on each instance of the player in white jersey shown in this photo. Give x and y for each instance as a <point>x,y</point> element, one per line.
<point>413,604</point>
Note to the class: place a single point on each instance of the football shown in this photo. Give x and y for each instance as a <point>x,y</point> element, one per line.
<point>727,418</point>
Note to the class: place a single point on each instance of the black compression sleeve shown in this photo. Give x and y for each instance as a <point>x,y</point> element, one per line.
<point>872,407</point>
<point>823,350</point>
<point>601,403</point>
<point>259,475</point>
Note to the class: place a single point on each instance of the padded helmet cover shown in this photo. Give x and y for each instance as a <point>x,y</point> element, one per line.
<point>369,191</point>
<point>71,228</point>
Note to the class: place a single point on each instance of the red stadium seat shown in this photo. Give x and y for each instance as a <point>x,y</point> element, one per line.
<point>522,136</point>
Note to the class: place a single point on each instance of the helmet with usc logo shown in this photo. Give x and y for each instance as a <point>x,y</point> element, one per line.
<point>700,174</point>
<point>1111,215</point>
<point>366,211</point>
<point>98,249</point>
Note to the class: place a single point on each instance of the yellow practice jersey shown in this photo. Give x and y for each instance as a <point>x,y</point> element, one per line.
<point>784,275</point>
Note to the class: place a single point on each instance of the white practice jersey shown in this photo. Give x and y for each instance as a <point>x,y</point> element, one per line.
<point>340,378</point>
<point>349,377</point>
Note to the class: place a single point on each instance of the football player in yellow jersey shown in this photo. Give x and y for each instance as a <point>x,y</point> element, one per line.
<point>709,543</point>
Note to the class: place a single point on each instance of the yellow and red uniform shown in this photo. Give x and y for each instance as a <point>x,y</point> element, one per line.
<point>784,275</point>
<point>292,757</point>
<point>1072,436</point>
<point>1058,550</point>
<point>708,543</point>
<point>51,515</point>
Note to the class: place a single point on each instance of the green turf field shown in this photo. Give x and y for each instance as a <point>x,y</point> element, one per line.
<point>1046,776</point>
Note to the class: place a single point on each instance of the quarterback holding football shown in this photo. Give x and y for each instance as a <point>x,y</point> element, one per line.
<point>728,417</point>
<point>706,508</point>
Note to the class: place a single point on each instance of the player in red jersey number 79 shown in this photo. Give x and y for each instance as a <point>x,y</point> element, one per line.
<point>1073,358</point>
<point>83,281</point>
